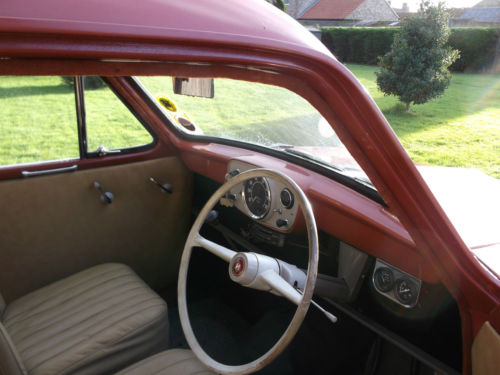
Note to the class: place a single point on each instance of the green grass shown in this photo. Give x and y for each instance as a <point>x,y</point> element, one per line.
<point>459,129</point>
<point>462,128</point>
<point>256,113</point>
<point>38,121</point>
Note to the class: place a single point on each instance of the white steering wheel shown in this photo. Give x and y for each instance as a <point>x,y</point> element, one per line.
<point>255,271</point>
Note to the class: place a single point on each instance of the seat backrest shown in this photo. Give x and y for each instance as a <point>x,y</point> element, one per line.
<point>2,306</point>
<point>10,360</point>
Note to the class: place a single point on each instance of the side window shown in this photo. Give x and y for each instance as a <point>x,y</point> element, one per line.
<point>109,122</point>
<point>37,120</point>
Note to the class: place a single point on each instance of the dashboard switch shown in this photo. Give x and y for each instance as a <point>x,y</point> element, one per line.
<point>281,223</point>
<point>232,173</point>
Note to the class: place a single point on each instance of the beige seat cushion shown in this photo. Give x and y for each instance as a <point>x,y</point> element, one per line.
<point>169,362</point>
<point>94,322</point>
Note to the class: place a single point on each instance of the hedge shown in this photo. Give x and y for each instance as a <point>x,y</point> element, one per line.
<point>478,46</point>
<point>360,45</point>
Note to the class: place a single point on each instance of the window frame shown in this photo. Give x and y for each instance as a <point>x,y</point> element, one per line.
<point>85,153</point>
<point>83,159</point>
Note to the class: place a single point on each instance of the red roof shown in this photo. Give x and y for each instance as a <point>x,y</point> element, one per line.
<point>331,9</point>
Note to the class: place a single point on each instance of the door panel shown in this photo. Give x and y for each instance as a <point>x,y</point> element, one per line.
<point>486,351</point>
<point>53,226</point>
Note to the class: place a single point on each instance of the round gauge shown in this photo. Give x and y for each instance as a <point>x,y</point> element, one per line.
<point>384,279</point>
<point>257,197</point>
<point>286,198</point>
<point>406,291</point>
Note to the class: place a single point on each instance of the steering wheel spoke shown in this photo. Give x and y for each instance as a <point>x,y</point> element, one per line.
<point>280,286</point>
<point>254,271</point>
<point>222,252</point>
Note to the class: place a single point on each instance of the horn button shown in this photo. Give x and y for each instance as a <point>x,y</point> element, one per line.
<point>244,268</point>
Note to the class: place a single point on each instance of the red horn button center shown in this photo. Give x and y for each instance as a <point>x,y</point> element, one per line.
<point>238,266</point>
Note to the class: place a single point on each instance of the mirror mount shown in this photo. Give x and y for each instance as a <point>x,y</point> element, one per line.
<point>199,87</point>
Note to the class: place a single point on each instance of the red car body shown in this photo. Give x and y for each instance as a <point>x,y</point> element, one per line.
<point>213,38</point>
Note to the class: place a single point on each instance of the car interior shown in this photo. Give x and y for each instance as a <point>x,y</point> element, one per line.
<point>92,244</point>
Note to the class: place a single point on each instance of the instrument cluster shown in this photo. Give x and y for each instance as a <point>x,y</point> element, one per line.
<point>264,200</point>
<point>395,284</point>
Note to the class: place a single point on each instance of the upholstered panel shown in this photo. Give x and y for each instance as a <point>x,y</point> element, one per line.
<point>55,226</point>
<point>10,360</point>
<point>94,322</point>
<point>486,351</point>
<point>2,305</point>
<point>170,362</point>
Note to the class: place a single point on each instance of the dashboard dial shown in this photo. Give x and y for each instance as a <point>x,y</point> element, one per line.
<point>286,198</point>
<point>384,279</point>
<point>257,197</point>
<point>406,291</point>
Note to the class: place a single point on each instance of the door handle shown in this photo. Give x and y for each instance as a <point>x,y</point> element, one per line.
<point>44,172</point>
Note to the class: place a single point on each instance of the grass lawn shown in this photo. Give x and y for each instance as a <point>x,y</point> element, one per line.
<point>460,129</point>
<point>261,114</point>
<point>38,121</point>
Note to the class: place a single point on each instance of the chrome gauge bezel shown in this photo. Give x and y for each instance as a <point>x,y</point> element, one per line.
<point>268,198</point>
<point>290,196</point>
<point>277,212</point>
<point>398,275</point>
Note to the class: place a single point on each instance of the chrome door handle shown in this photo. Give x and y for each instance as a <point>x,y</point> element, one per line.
<point>44,172</point>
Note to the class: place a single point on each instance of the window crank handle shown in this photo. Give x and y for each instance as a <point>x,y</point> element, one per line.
<point>165,188</point>
<point>106,196</point>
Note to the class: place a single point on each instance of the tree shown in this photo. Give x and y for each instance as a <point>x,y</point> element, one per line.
<point>280,4</point>
<point>416,67</point>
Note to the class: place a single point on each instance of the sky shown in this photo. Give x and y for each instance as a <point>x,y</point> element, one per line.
<point>413,4</point>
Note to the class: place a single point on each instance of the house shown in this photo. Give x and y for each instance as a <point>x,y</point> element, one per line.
<point>488,4</point>
<point>484,13</point>
<point>343,12</point>
<point>403,12</point>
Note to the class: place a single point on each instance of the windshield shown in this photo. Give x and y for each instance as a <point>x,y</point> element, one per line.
<point>260,114</point>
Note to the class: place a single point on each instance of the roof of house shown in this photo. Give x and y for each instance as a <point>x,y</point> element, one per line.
<point>482,14</point>
<point>488,4</point>
<point>298,7</point>
<point>330,9</point>
<point>455,12</point>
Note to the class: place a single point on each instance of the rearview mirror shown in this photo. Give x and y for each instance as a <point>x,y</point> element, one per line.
<point>200,87</point>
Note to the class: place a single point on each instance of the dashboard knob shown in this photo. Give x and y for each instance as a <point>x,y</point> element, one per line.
<point>281,223</point>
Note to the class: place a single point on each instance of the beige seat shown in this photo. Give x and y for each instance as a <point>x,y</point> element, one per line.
<point>169,362</point>
<point>95,322</point>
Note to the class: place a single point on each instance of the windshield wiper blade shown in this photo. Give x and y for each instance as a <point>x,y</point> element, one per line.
<point>364,181</point>
<point>291,150</point>
<point>310,157</point>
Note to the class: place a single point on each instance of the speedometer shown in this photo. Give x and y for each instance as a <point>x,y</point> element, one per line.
<point>257,197</point>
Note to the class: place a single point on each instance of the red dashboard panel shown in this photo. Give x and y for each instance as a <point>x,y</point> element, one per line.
<point>340,211</point>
